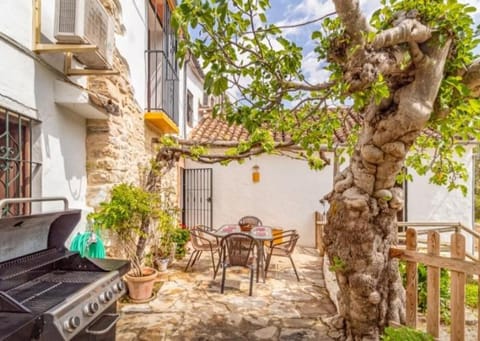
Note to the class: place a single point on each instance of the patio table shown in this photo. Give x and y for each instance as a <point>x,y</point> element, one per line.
<point>259,233</point>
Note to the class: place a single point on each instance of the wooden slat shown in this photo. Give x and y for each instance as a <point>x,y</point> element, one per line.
<point>319,223</point>
<point>411,289</point>
<point>438,261</point>
<point>457,302</point>
<point>478,315</point>
<point>433,287</point>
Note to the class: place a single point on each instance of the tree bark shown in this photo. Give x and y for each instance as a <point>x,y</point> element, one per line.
<point>363,205</point>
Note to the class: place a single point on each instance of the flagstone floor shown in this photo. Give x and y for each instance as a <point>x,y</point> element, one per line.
<point>189,306</point>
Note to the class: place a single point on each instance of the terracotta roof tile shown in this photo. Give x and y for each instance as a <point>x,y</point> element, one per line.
<point>211,129</point>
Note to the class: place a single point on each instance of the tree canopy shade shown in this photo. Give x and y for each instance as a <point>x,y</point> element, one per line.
<point>410,76</point>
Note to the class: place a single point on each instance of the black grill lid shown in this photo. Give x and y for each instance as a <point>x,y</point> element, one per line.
<point>23,235</point>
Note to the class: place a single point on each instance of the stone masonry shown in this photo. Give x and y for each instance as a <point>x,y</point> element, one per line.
<point>118,149</point>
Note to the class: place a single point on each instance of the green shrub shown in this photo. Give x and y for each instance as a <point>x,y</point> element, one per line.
<point>422,290</point>
<point>471,295</point>
<point>180,237</point>
<point>405,334</point>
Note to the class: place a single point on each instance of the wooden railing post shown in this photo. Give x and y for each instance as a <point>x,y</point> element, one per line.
<point>412,279</point>
<point>319,224</point>
<point>457,303</point>
<point>433,287</point>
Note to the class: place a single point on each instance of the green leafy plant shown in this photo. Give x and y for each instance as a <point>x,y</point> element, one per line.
<point>338,265</point>
<point>471,295</point>
<point>422,290</point>
<point>128,215</point>
<point>405,334</point>
<point>180,238</point>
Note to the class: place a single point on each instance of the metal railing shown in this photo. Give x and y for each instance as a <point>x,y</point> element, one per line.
<point>162,84</point>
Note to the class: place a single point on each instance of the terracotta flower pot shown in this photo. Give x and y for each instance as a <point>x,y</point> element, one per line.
<point>141,288</point>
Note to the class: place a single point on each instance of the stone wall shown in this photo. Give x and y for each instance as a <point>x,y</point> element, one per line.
<point>118,149</point>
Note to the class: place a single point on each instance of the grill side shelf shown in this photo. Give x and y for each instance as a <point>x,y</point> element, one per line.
<point>8,304</point>
<point>31,262</point>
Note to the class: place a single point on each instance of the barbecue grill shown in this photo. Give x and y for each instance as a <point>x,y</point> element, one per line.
<point>48,292</point>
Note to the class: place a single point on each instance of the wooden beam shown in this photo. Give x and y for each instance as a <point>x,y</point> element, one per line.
<point>457,285</point>
<point>433,287</point>
<point>412,281</point>
<point>36,20</point>
<point>438,261</point>
<point>89,72</point>
<point>57,48</point>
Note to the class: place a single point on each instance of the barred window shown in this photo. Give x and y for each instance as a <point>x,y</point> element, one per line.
<point>15,159</point>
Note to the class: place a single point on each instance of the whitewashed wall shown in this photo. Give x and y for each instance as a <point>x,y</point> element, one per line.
<point>132,45</point>
<point>429,202</point>
<point>287,195</point>
<point>27,87</point>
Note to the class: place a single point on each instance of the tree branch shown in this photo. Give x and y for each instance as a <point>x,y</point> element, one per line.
<point>409,30</point>
<point>352,17</point>
<point>307,87</point>
<point>472,78</point>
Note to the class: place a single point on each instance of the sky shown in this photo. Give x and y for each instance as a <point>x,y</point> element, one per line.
<point>286,12</point>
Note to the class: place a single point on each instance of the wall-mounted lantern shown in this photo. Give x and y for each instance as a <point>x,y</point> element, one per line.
<point>256,173</point>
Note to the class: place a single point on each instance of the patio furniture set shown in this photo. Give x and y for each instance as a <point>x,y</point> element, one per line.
<point>247,244</point>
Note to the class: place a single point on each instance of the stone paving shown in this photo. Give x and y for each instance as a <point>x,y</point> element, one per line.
<point>189,306</point>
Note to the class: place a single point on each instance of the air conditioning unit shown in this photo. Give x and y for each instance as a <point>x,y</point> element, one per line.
<point>86,22</point>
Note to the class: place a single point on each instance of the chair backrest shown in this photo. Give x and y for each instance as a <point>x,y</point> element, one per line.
<point>253,221</point>
<point>199,237</point>
<point>238,249</point>
<point>289,240</point>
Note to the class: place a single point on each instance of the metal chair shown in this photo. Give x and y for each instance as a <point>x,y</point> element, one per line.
<point>202,240</point>
<point>251,220</point>
<point>238,249</point>
<point>283,245</point>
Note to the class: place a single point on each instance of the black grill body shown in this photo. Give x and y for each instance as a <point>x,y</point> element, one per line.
<point>50,293</point>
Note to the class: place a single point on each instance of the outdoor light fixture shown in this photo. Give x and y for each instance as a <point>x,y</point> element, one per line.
<point>256,173</point>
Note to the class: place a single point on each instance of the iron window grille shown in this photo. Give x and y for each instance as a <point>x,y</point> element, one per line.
<point>16,165</point>
<point>162,67</point>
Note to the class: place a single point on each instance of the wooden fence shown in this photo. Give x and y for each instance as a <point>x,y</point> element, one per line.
<point>320,221</point>
<point>458,266</point>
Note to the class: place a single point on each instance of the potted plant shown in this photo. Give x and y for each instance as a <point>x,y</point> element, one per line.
<point>129,216</point>
<point>170,240</point>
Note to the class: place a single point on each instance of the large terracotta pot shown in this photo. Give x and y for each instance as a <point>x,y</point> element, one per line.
<point>141,288</point>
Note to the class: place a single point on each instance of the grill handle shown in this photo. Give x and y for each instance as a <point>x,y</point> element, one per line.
<point>105,330</point>
<point>4,202</point>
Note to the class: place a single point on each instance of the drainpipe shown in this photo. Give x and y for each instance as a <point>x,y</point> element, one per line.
<point>185,71</point>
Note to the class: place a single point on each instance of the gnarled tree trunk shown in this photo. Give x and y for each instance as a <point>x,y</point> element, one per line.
<point>364,203</point>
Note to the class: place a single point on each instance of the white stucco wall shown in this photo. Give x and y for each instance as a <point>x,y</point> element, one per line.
<point>429,202</point>
<point>27,87</point>
<point>132,44</point>
<point>287,195</point>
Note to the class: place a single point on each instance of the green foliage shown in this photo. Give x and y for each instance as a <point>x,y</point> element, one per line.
<point>471,295</point>
<point>180,238</point>
<point>448,19</point>
<point>422,290</point>
<point>405,334</point>
<point>338,265</point>
<point>126,214</point>
<point>251,58</point>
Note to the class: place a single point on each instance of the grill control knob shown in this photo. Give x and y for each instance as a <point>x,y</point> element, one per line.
<point>106,296</point>
<point>118,287</point>
<point>91,308</point>
<point>72,323</point>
